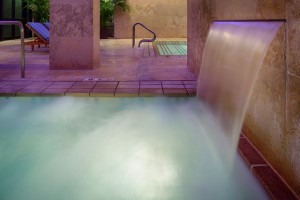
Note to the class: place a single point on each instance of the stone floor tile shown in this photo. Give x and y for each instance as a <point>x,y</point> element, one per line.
<point>3,83</point>
<point>21,83</point>
<point>190,86</point>
<point>30,92</point>
<point>107,85</point>
<point>129,83</point>
<point>150,82</point>
<point>61,85</point>
<point>175,92</point>
<point>102,92</point>
<point>151,86</point>
<point>168,86</point>
<point>190,82</point>
<point>129,86</point>
<point>171,82</point>
<point>39,84</point>
<point>54,92</point>
<point>84,85</point>
<point>191,92</point>
<point>78,92</point>
<point>129,92</point>
<point>8,92</point>
<point>151,92</point>
<point>13,87</point>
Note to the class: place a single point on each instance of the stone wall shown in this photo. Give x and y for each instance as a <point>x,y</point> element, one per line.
<point>74,34</point>
<point>274,112</point>
<point>167,18</point>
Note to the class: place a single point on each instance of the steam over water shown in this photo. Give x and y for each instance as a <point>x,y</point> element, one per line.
<point>140,148</point>
<point>128,149</point>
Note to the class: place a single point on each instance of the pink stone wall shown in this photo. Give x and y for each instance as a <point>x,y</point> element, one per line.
<point>274,112</point>
<point>200,16</point>
<point>167,18</point>
<point>74,40</point>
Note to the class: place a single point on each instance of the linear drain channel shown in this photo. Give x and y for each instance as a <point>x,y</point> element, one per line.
<point>97,79</point>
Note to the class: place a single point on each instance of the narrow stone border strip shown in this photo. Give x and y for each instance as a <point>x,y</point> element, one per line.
<point>273,183</point>
<point>101,88</point>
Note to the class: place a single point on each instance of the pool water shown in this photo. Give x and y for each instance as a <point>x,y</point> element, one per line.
<point>115,149</point>
<point>170,48</point>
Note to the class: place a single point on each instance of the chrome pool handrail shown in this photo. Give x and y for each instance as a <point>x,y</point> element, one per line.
<point>143,40</point>
<point>17,23</point>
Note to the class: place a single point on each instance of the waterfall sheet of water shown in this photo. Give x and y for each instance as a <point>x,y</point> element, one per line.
<point>231,61</point>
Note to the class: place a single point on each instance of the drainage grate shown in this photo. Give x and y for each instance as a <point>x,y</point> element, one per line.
<point>97,79</point>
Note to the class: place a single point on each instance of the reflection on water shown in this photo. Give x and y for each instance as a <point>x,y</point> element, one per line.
<point>110,148</point>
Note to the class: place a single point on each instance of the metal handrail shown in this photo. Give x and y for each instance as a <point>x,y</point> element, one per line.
<point>22,43</point>
<point>143,40</point>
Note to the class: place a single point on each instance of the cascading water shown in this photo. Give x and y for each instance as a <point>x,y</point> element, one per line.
<point>232,58</point>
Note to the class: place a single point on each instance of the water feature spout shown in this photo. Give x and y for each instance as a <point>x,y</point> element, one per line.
<point>232,58</point>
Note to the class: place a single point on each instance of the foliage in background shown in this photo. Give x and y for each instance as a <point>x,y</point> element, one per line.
<point>108,8</point>
<point>122,5</point>
<point>39,8</point>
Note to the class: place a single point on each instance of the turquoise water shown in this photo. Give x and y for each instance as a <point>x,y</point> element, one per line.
<point>171,48</point>
<point>116,148</point>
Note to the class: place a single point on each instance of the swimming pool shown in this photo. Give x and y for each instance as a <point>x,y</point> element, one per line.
<point>114,148</point>
<point>170,48</point>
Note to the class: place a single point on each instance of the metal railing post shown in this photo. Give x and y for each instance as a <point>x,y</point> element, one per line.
<point>133,36</point>
<point>22,43</point>
<point>143,40</point>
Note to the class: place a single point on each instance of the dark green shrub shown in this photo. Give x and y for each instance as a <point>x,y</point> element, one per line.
<point>39,9</point>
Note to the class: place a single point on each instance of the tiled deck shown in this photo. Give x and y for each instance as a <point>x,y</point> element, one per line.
<point>98,88</point>
<point>123,71</point>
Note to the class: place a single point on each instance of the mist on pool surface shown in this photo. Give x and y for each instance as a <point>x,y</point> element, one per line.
<point>140,148</point>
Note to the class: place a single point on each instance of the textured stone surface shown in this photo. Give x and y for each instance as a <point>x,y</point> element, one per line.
<point>167,18</point>
<point>249,9</point>
<point>292,9</point>
<point>266,110</point>
<point>294,46</point>
<point>200,16</point>
<point>293,131</point>
<point>74,34</point>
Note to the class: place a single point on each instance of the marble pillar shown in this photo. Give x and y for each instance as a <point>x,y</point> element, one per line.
<point>74,34</point>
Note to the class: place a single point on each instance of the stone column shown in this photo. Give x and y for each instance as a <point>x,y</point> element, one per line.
<point>74,34</point>
<point>200,17</point>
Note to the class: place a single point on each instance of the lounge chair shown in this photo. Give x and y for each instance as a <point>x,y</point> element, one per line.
<point>41,32</point>
<point>47,25</point>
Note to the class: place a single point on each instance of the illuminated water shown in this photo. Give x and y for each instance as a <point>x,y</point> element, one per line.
<point>232,59</point>
<point>115,149</point>
<point>140,148</point>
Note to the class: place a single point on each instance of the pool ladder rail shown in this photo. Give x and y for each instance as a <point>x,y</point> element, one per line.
<point>143,40</point>
<point>20,25</point>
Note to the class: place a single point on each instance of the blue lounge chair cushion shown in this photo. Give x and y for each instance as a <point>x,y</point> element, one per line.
<point>47,24</point>
<point>40,29</point>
